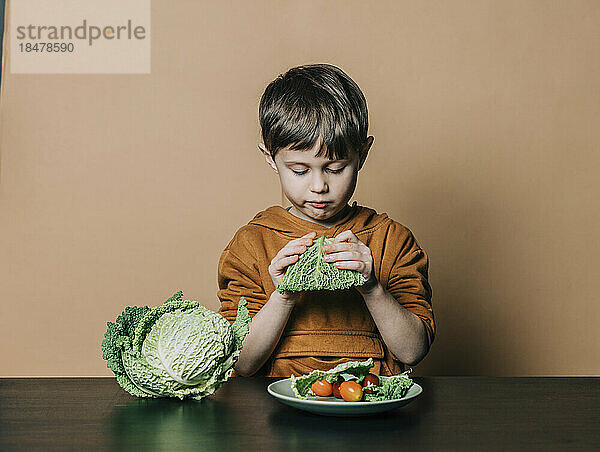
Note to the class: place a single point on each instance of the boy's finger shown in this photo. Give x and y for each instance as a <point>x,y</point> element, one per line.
<point>296,243</point>
<point>280,262</point>
<point>286,261</point>
<point>294,250</point>
<point>346,236</point>
<point>304,239</point>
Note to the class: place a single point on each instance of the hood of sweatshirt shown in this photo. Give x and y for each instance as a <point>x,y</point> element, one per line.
<point>359,219</point>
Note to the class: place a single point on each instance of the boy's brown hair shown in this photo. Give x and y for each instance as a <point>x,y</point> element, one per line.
<point>311,102</point>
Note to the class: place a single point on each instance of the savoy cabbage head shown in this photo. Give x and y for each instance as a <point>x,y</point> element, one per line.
<point>312,272</point>
<point>179,349</point>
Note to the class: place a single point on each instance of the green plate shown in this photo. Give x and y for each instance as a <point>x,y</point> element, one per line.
<point>330,406</point>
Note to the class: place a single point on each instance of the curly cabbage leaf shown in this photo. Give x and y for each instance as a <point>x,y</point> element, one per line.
<point>312,272</point>
<point>301,385</point>
<point>394,387</point>
<point>179,349</point>
<point>391,388</point>
<point>117,338</point>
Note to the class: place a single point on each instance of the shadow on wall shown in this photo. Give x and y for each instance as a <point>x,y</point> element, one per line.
<point>465,238</point>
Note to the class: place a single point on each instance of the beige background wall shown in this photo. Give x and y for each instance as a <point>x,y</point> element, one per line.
<point>119,190</point>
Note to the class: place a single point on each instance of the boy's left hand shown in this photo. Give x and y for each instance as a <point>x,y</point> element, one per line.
<point>348,252</point>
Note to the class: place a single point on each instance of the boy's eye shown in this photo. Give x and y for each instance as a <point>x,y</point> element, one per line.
<point>336,171</point>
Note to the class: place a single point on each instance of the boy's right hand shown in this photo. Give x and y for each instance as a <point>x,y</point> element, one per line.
<point>287,255</point>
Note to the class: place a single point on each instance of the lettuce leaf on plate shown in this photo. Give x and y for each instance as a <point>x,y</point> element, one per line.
<point>390,388</point>
<point>301,385</point>
<point>394,387</point>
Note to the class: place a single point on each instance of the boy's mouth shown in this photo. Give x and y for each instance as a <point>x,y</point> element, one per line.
<point>318,205</point>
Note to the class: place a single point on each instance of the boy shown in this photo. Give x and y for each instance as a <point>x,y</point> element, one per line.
<point>314,125</point>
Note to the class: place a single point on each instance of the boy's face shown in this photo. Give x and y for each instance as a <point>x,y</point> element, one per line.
<point>318,188</point>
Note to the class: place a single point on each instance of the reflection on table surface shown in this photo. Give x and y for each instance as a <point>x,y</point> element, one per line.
<point>458,413</point>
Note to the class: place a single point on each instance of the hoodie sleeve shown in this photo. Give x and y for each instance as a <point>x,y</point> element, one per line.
<point>238,276</point>
<point>409,285</point>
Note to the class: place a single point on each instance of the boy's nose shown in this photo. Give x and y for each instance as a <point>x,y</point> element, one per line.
<point>318,184</point>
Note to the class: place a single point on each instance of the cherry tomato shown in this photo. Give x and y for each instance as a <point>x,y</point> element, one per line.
<point>322,388</point>
<point>336,387</point>
<point>351,391</point>
<point>370,380</point>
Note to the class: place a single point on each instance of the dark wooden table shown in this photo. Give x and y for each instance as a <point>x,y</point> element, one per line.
<point>453,413</point>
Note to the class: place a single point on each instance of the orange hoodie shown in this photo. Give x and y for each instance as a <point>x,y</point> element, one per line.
<point>326,327</point>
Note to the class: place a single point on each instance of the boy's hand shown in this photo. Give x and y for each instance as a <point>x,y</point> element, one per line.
<point>288,255</point>
<point>348,252</point>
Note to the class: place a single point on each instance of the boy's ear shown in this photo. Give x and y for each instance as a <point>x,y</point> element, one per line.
<point>268,157</point>
<point>365,151</point>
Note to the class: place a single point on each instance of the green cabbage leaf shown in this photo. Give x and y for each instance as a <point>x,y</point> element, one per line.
<point>301,385</point>
<point>312,272</point>
<point>391,388</point>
